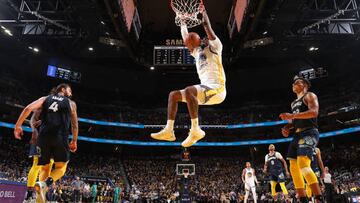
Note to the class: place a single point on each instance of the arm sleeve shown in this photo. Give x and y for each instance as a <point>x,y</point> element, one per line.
<point>278,155</point>
<point>184,31</point>
<point>216,45</point>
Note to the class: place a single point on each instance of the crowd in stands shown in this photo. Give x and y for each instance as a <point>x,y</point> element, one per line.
<point>154,178</point>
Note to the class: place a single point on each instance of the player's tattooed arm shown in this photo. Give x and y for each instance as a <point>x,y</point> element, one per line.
<point>74,121</point>
<point>207,25</point>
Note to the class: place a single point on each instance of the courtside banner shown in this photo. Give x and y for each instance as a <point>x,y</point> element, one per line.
<point>12,192</point>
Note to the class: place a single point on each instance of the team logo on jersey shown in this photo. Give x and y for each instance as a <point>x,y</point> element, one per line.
<point>309,140</point>
<point>301,141</point>
<point>296,104</point>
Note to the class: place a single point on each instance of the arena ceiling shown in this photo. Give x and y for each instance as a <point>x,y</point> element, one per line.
<point>294,26</point>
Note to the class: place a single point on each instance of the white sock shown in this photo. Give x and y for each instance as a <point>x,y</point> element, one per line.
<point>170,125</point>
<point>194,123</point>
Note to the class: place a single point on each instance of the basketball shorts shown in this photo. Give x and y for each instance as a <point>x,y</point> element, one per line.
<point>303,144</point>
<point>317,173</point>
<point>53,147</point>
<point>34,151</point>
<point>249,186</point>
<point>209,94</point>
<point>277,176</point>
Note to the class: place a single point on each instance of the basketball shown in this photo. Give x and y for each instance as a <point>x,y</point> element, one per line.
<point>192,40</point>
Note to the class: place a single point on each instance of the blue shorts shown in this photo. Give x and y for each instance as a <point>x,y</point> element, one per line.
<point>34,150</point>
<point>303,144</point>
<point>277,176</point>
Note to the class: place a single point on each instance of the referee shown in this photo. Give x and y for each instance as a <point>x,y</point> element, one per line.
<point>329,186</point>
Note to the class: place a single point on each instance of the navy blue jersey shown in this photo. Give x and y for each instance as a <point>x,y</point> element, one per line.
<point>55,116</point>
<point>299,106</point>
<point>274,163</point>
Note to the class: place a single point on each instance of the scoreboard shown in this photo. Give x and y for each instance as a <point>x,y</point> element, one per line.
<point>172,55</point>
<point>62,73</point>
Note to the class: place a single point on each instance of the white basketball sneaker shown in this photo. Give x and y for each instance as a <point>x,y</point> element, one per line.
<point>164,134</point>
<point>40,188</point>
<point>194,136</point>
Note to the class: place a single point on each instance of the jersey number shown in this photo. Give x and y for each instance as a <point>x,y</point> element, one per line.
<point>54,106</point>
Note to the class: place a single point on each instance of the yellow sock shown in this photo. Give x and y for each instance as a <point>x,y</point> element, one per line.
<point>309,175</point>
<point>283,188</point>
<point>296,175</point>
<point>308,191</point>
<point>34,172</point>
<point>59,170</point>
<point>273,188</point>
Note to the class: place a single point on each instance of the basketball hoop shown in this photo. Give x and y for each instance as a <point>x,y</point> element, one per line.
<point>186,12</point>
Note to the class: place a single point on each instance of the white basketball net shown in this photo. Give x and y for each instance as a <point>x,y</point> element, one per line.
<point>186,12</point>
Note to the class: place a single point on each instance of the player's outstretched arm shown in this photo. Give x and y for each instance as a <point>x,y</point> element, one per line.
<point>74,127</point>
<point>207,25</point>
<point>18,132</point>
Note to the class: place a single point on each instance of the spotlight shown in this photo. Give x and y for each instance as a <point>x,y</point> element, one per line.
<point>8,32</point>
<point>36,49</point>
<point>152,68</point>
<point>102,22</point>
<point>91,49</point>
<point>313,48</point>
<point>30,48</point>
<point>4,28</point>
<point>264,33</point>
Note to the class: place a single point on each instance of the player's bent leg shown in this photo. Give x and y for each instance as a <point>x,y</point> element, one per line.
<point>59,171</point>
<point>174,98</point>
<point>32,176</point>
<point>167,133</point>
<point>253,190</point>
<point>298,180</point>
<point>304,163</point>
<point>308,191</point>
<point>44,172</point>
<point>273,189</point>
<point>246,195</point>
<point>283,188</point>
<point>195,133</point>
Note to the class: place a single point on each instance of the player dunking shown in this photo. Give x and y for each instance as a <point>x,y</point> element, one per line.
<point>275,166</point>
<point>249,179</point>
<point>304,120</point>
<point>207,54</point>
<point>58,113</point>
